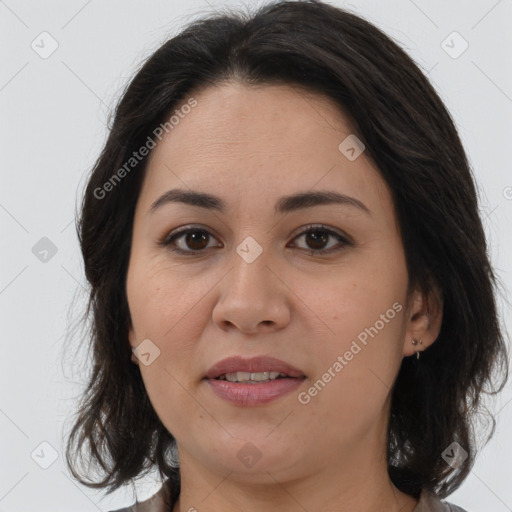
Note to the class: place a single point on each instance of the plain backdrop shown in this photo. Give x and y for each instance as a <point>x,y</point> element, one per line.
<point>53,122</point>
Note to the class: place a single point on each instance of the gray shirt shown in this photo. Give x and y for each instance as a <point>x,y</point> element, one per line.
<point>162,502</point>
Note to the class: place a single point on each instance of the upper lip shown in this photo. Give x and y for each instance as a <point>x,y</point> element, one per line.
<point>252,365</point>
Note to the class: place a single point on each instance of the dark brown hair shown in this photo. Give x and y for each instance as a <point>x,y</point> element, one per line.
<point>412,140</point>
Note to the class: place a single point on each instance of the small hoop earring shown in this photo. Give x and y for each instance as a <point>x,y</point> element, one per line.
<point>416,342</point>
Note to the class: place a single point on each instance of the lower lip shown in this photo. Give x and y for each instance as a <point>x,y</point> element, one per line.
<point>253,394</point>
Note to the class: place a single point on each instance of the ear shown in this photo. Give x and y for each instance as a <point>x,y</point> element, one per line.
<point>133,343</point>
<point>424,319</point>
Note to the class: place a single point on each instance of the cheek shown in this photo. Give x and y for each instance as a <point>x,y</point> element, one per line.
<point>362,302</point>
<point>354,374</point>
<point>166,307</point>
<point>360,350</point>
<point>161,297</point>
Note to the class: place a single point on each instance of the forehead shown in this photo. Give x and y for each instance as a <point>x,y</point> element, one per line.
<point>254,120</point>
<point>270,140</point>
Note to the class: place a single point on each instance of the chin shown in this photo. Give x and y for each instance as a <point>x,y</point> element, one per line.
<point>252,461</point>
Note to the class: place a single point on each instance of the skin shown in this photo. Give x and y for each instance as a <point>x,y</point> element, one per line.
<point>250,146</point>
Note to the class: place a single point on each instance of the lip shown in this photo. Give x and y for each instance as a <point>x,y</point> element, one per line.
<point>245,394</point>
<point>249,395</point>
<point>252,365</point>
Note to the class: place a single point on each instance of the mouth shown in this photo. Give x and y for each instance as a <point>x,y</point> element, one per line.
<point>255,381</point>
<point>258,369</point>
<point>252,378</point>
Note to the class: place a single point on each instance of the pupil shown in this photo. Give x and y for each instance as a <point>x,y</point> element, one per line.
<point>196,237</point>
<point>322,238</point>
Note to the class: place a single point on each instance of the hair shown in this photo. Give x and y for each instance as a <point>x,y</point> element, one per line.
<point>411,138</point>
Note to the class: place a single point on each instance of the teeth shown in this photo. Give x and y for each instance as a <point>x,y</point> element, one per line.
<point>251,377</point>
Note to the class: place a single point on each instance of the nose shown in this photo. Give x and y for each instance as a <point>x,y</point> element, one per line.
<point>253,297</point>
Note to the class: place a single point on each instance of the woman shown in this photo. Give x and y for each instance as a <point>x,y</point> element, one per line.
<point>282,221</point>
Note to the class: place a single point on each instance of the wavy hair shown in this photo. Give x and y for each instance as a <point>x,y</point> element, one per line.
<point>412,140</point>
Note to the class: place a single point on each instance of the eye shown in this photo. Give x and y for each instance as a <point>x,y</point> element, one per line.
<point>195,239</point>
<point>317,238</point>
<point>190,240</point>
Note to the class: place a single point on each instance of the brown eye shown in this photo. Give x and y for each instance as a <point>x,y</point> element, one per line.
<point>188,241</point>
<point>317,237</point>
<point>196,239</point>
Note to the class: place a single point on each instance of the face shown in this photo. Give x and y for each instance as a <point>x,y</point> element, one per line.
<point>245,276</point>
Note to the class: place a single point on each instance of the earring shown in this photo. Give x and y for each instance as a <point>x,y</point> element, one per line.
<point>416,342</point>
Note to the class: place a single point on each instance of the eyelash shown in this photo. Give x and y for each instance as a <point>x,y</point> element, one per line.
<point>171,238</point>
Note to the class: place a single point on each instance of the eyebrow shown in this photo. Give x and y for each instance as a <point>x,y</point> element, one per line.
<point>285,204</point>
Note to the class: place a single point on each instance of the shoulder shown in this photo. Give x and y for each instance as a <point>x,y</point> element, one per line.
<point>429,502</point>
<point>159,502</point>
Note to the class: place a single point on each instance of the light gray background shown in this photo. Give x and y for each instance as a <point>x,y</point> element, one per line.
<point>52,126</point>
